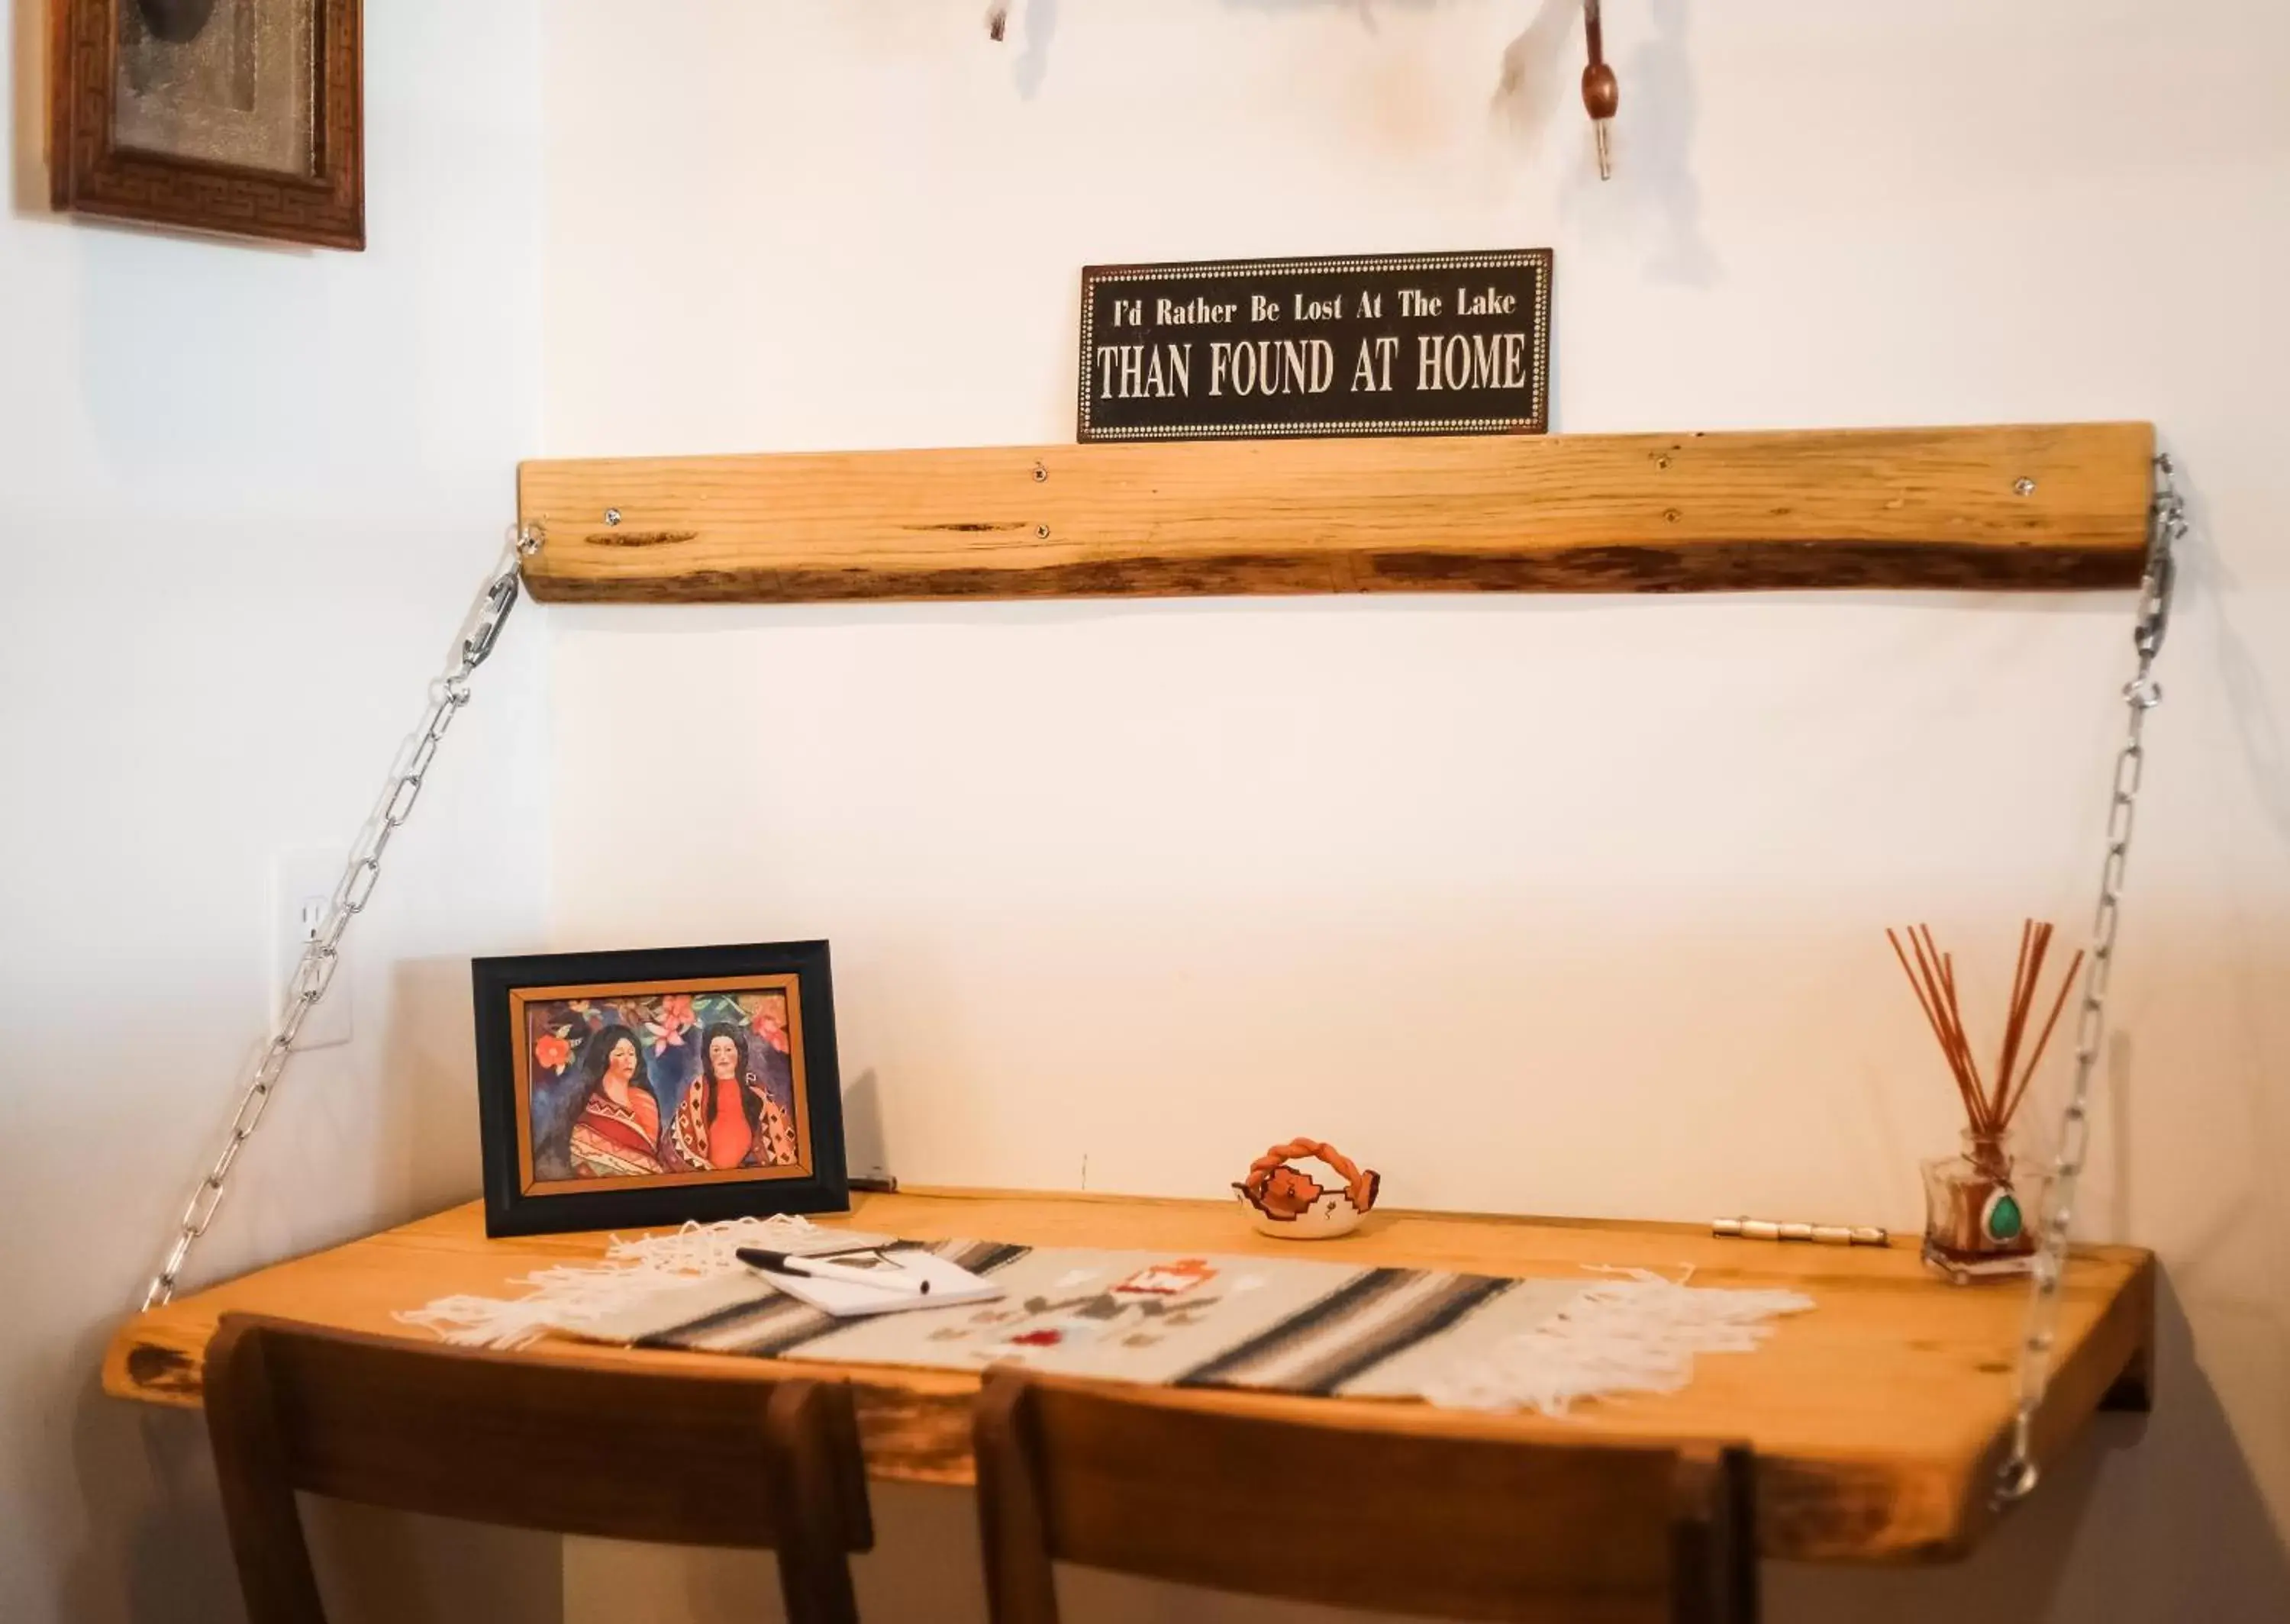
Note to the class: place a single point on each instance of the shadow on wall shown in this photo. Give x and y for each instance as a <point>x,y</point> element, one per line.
<point>150,1546</point>
<point>1533,86</point>
<point>866,1152</point>
<point>1654,202</point>
<point>2206,585</point>
<point>157,1553</point>
<point>1033,64</point>
<point>1364,9</point>
<point>153,1541</point>
<point>2204,1548</point>
<point>428,1147</point>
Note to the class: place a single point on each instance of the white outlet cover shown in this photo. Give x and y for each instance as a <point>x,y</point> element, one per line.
<point>299,877</point>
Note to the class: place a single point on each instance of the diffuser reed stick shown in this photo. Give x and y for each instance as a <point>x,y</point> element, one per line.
<point>1990,1104</point>
<point>1975,1225</point>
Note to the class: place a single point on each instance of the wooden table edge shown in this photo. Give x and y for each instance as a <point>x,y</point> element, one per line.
<point>915,1420</point>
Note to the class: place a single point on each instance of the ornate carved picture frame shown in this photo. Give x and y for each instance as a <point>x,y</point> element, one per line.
<point>239,116</point>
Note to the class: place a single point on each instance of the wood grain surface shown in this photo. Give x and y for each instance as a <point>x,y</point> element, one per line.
<point>1877,1420</point>
<point>594,1447</point>
<point>2044,507</point>
<point>1368,1509</point>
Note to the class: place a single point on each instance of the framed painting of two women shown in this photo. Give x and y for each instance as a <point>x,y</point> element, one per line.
<point>655,1086</point>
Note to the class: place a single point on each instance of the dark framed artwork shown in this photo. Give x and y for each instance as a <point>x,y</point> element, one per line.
<point>243,117</point>
<point>654,1087</point>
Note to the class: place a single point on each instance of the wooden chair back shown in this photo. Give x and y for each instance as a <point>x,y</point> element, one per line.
<point>1407,1511</point>
<point>573,1446</point>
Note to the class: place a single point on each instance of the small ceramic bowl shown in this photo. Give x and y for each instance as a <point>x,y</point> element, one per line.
<point>1285,1200</point>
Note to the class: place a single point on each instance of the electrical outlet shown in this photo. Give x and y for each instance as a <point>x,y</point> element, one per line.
<point>302,883</point>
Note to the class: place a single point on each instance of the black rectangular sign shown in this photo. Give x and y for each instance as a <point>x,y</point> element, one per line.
<point>1441,343</point>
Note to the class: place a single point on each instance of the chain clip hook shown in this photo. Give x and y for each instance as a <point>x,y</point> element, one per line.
<point>2020,1472</point>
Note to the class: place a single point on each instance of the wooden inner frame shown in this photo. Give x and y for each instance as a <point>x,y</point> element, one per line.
<point>790,985</point>
<point>89,173</point>
<point>2044,507</point>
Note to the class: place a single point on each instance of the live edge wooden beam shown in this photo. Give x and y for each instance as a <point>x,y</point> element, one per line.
<point>2040,508</point>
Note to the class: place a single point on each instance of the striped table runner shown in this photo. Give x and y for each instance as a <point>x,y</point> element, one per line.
<point>1274,1324</point>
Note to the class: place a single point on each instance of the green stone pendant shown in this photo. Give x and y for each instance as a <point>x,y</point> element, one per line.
<point>2003,1220</point>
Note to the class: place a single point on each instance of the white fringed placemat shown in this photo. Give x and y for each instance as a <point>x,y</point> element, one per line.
<point>1282,1324</point>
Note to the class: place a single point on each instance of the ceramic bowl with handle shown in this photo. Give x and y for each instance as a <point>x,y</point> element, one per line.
<point>1284,1199</point>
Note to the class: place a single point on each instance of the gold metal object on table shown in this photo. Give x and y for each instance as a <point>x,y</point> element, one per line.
<point>1823,1234</point>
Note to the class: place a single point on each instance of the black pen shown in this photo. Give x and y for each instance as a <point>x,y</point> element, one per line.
<point>780,1263</point>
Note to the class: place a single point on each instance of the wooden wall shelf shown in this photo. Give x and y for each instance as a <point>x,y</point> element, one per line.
<point>1880,1419</point>
<point>2045,507</point>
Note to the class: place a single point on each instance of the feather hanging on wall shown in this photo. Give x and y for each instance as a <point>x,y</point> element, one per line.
<point>1526,94</point>
<point>1523,62</point>
<point>1601,92</point>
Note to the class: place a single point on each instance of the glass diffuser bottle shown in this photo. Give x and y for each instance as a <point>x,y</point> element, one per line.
<point>1983,1206</point>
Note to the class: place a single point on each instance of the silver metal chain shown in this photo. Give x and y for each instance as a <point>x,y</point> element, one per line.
<point>2166,526</point>
<point>314,972</point>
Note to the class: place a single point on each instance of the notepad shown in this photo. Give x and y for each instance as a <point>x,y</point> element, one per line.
<point>822,1242</point>
<point>742,1295</point>
<point>951,1286</point>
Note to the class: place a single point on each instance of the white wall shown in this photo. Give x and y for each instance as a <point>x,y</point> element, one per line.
<point>1560,906</point>
<point>1555,906</point>
<point>245,494</point>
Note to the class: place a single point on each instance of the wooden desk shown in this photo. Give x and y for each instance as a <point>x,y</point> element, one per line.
<point>1878,1419</point>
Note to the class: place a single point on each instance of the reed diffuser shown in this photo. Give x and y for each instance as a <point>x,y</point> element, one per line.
<point>1981,1205</point>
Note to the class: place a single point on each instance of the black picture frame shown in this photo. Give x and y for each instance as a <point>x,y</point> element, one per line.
<point>519,1201</point>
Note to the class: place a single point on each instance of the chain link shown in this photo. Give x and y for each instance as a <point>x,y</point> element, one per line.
<point>314,972</point>
<point>2167,527</point>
